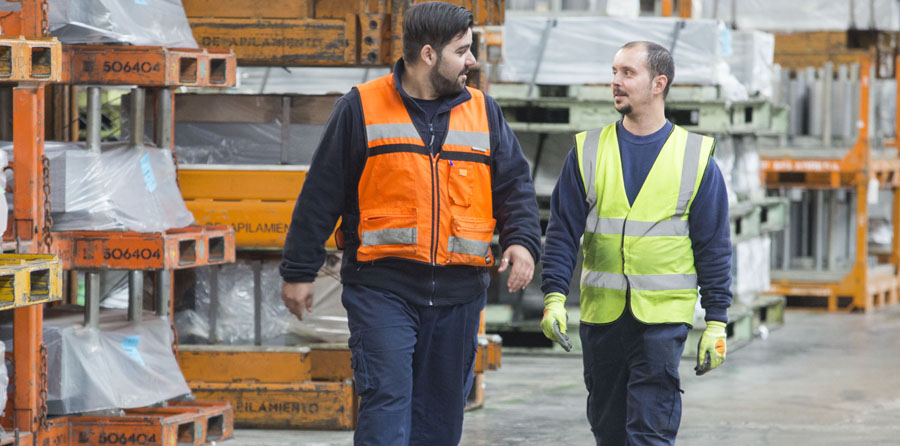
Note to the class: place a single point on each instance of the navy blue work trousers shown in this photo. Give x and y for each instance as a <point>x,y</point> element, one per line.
<point>412,365</point>
<point>631,374</point>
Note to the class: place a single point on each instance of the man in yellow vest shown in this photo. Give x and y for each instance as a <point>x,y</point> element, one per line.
<point>421,169</point>
<point>651,206</point>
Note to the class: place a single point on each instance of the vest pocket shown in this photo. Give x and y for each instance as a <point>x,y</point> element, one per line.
<point>470,241</point>
<point>461,184</point>
<point>387,232</point>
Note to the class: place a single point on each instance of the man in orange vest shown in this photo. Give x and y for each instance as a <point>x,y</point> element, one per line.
<point>422,170</point>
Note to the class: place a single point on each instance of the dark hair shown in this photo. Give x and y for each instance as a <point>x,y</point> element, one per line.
<point>432,23</point>
<point>659,61</point>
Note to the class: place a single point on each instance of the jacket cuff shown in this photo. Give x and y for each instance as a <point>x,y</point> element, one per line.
<point>293,276</point>
<point>717,314</point>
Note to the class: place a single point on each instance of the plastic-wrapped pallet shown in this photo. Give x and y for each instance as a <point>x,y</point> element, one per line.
<point>618,8</point>
<point>138,22</point>
<point>122,365</point>
<point>303,80</point>
<point>4,377</point>
<point>724,158</point>
<point>580,50</point>
<point>806,15</point>
<point>234,318</point>
<point>4,207</point>
<point>752,61</point>
<point>747,166</point>
<point>751,268</point>
<point>123,188</point>
<point>244,143</point>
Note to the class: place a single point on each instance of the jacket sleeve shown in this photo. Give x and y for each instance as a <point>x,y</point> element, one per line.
<point>711,241</point>
<point>515,203</point>
<point>568,214</point>
<point>321,200</point>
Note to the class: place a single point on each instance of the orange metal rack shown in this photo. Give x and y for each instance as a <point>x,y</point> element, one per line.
<point>33,62</point>
<point>866,288</point>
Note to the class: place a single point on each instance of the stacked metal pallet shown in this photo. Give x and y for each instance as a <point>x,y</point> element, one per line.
<point>837,164</point>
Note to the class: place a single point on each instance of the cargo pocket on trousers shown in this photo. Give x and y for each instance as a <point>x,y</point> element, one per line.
<point>675,413</point>
<point>361,379</point>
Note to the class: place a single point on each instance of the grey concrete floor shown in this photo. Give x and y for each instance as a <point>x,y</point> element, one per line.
<point>821,379</point>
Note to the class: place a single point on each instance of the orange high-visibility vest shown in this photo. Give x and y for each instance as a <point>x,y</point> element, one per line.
<point>414,205</point>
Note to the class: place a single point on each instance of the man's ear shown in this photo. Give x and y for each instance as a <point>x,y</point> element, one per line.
<point>428,55</point>
<point>659,83</point>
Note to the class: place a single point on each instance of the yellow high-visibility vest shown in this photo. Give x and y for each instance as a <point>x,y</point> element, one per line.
<point>645,246</point>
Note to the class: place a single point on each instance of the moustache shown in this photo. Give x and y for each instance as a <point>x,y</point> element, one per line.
<point>618,92</point>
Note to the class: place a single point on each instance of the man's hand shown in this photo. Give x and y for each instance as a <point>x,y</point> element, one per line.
<point>522,267</point>
<point>297,296</point>
<point>555,321</point>
<point>711,349</point>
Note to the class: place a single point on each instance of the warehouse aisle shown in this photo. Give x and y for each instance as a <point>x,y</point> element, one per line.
<point>822,379</point>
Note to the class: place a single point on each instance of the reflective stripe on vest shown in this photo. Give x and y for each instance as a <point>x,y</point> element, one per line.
<point>644,246</point>
<point>415,205</point>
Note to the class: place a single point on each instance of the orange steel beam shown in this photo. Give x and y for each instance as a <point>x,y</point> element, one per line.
<point>148,66</point>
<point>685,9</point>
<point>28,147</point>
<point>667,8</point>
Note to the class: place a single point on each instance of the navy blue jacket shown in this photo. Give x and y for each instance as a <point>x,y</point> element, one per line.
<point>710,230</point>
<point>331,188</point>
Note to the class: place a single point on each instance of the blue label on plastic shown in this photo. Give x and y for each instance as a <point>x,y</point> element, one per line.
<point>147,170</point>
<point>130,345</point>
<point>140,2</point>
<point>725,37</point>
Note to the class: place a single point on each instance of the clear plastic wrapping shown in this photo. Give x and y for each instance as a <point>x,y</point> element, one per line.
<point>4,206</point>
<point>751,268</point>
<point>4,378</point>
<point>303,80</point>
<point>805,15</point>
<point>724,158</point>
<point>121,365</point>
<point>123,188</point>
<point>580,50</point>
<point>234,318</point>
<point>244,143</point>
<point>752,61</point>
<point>745,176</point>
<point>138,22</point>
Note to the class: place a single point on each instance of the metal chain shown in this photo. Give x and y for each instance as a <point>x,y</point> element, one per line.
<point>45,23</point>
<point>47,236</point>
<point>175,161</point>
<point>42,417</point>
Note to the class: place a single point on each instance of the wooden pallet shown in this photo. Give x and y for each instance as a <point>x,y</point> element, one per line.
<point>739,330</point>
<point>768,313</point>
<point>753,218</point>
<point>572,108</point>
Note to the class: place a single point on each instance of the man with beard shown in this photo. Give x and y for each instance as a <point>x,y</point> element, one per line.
<point>420,169</point>
<point>651,206</point>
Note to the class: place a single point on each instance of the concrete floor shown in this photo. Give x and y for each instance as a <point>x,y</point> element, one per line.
<point>822,379</point>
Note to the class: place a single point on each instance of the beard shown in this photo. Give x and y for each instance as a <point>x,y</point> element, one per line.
<point>624,110</point>
<point>442,85</point>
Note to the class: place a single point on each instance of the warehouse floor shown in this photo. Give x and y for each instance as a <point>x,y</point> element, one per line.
<point>821,379</point>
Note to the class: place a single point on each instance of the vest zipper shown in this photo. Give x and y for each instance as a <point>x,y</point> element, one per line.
<point>435,209</point>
